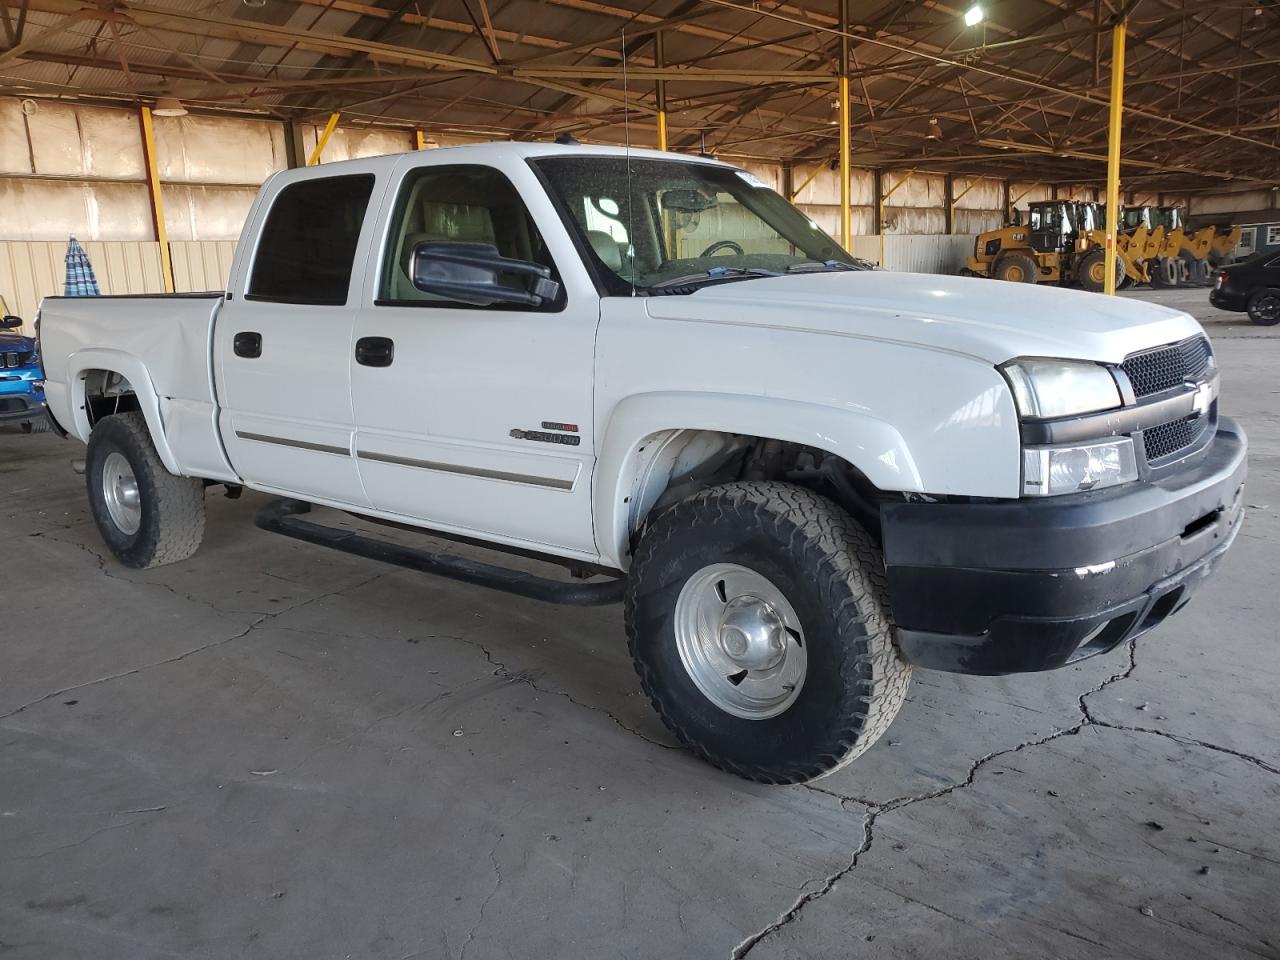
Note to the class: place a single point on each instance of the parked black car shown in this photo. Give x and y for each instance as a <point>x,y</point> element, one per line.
<point>1251,285</point>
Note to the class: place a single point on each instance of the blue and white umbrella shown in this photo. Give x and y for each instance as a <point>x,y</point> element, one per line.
<point>81,281</point>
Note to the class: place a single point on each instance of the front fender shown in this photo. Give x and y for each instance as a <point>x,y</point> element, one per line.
<point>869,444</point>
<point>133,370</point>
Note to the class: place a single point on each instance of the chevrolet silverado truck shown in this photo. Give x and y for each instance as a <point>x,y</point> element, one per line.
<point>801,477</point>
<point>21,380</point>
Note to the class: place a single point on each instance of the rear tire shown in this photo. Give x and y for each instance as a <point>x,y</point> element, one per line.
<point>779,567</point>
<point>146,515</point>
<point>1264,307</point>
<point>1017,268</point>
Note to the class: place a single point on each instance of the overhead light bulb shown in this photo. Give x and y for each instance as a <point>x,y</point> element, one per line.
<point>973,16</point>
<point>169,107</point>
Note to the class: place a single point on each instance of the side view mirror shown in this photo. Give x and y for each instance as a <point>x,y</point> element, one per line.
<point>10,322</point>
<point>473,273</point>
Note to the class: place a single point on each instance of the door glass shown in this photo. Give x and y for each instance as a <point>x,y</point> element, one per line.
<point>468,204</point>
<point>309,241</point>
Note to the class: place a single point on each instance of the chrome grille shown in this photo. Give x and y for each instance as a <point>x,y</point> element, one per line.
<point>1167,367</point>
<point>13,359</point>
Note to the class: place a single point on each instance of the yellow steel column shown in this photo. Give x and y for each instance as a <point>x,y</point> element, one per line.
<point>1113,153</point>
<point>846,211</point>
<point>157,201</point>
<point>660,61</point>
<point>325,134</point>
<point>419,140</point>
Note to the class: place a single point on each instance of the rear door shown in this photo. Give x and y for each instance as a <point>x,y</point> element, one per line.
<point>283,340</point>
<point>477,419</point>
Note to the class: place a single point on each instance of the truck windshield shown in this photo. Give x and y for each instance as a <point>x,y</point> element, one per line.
<point>683,221</point>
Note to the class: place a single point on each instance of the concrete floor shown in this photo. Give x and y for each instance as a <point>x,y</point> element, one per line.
<point>274,751</point>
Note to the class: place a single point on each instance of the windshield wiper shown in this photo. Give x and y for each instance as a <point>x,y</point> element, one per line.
<point>817,266</point>
<point>715,273</point>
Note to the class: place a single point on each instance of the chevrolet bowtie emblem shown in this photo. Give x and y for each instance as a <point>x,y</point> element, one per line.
<point>1202,400</point>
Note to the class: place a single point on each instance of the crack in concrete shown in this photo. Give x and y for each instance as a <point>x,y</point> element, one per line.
<point>873,809</point>
<point>261,620</point>
<point>501,670</point>
<point>484,904</point>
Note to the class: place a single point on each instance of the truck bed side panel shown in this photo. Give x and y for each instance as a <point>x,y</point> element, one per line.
<point>161,345</point>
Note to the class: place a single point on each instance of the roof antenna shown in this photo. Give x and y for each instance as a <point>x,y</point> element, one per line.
<point>626,128</point>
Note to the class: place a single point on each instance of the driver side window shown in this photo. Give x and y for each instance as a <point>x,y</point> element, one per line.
<point>469,204</point>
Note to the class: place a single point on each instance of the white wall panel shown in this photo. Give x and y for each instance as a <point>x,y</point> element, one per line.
<point>228,150</point>
<point>205,212</point>
<point>58,209</point>
<point>15,157</point>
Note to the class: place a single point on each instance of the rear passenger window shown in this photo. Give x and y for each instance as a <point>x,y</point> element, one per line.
<point>308,244</point>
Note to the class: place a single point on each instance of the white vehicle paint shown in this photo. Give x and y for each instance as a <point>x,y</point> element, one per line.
<point>805,476</point>
<point>895,373</point>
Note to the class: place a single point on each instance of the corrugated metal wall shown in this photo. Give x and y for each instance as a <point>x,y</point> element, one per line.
<point>201,264</point>
<point>941,253</point>
<point>32,269</point>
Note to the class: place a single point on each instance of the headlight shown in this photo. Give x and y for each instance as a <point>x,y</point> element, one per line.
<point>1049,471</point>
<point>1045,389</point>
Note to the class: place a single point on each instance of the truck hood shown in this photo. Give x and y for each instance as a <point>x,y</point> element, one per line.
<point>989,320</point>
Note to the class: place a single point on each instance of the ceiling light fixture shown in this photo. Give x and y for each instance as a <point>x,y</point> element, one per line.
<point>169,107</point>
<point>974,16</point>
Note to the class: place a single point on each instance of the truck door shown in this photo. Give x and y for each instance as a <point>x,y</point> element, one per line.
<point>283,339</point>
<point>475,419</point>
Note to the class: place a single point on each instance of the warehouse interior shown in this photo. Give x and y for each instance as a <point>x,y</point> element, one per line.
<point>274,750</point>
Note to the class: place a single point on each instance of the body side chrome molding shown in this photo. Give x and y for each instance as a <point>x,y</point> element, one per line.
<point>553,482</point>
<point>300,444</point>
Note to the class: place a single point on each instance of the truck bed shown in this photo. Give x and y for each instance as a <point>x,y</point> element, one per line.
<point>164,341</point>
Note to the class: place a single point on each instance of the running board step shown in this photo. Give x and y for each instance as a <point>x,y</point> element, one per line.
<point>281,516</point>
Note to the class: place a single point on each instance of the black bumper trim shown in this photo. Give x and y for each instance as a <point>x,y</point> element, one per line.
<point>1017,586</point>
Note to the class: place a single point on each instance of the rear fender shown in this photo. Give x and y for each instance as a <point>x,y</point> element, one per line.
<point>133,370</point>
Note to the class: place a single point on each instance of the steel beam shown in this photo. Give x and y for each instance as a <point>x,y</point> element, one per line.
<point>1113,152</point>
<point>660,88</point>
<point>845,121</point>
<point>155,196</point>
<point>323,139</point>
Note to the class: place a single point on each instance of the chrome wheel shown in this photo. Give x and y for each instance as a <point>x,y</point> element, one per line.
<point>120,492</point>
<point>740,641</point>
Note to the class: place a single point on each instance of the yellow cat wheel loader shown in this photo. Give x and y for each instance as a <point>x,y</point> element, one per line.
<point>1062,242</point>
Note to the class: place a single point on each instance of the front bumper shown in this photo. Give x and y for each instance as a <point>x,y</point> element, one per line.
<point>21,397</point>
<point>1023,585</point>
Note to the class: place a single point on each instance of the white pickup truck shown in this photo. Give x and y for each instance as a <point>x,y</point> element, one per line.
<point>801,475</point>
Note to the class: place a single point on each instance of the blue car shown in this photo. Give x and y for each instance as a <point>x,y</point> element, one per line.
<point>21,379</point>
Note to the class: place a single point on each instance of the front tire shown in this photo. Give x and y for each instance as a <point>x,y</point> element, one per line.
<point>146,515</point>
<point>758,620</point>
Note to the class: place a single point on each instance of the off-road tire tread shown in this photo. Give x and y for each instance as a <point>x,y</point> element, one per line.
<point>848,570</point>
<point>1028,263</point>
<point>177,501</point>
